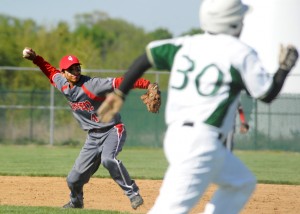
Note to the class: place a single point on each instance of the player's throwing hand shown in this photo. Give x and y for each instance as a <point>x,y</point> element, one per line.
<point>29,54</point>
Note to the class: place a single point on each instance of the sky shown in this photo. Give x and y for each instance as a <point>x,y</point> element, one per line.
<point>177,16</point>
<point>263,30</point>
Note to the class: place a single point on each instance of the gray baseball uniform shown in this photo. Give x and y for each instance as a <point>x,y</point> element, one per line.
<point>104,141</point>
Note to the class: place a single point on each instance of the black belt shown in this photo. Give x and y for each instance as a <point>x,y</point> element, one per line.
<point>220,136</point>
<point>191,124</point>
<point>101,130</point>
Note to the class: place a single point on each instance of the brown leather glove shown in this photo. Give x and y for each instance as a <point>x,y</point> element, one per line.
<point>152,98</point>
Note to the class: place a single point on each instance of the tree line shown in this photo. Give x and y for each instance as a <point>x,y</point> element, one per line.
<point>99,41</point>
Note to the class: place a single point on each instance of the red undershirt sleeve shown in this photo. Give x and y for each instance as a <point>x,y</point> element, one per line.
<point>140,83</point>
<point>46,67</point>
<point>242,115</point>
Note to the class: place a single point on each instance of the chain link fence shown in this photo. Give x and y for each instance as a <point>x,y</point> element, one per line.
<point>44,117</point>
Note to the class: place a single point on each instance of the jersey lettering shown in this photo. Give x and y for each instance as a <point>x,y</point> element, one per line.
<point>94,118</point>
<point>210,68</point>
<point>185,74</point>
<point>83,106</point>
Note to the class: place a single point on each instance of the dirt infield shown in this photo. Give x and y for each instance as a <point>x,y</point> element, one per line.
<point>104,194</point>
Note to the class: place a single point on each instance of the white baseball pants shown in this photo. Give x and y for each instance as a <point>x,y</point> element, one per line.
<point>196,159</point>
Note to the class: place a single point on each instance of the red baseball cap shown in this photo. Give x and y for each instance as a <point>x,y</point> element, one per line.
<point>67,61</point>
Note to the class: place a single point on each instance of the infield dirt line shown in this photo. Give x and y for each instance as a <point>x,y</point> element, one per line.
<point>104,194</point>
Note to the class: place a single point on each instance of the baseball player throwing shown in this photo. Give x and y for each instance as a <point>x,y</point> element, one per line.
<point>104,140</point>
<point>208,71</point>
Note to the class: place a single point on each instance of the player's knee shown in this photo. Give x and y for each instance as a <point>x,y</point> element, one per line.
<point>252,185</point>
<point>109,163</point>
<point>74,179</point>
<point>249,186</point>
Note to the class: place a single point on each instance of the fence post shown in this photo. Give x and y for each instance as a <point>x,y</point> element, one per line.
<point>157,77</point>
<point>51,131</point>
<point>269,124</point>
<point>31,115</point>
<point>255,123</point>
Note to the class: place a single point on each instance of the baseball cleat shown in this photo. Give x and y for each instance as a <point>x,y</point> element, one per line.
<point>70,204</point>
<point>136,201</point>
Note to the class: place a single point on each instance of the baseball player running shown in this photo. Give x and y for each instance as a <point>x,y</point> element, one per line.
<point>104,141</point>
<point>208,71</point>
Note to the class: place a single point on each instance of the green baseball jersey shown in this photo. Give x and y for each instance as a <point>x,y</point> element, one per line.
<point>208,73</point>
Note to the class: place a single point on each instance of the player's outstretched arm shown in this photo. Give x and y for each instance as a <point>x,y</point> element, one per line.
<point>46,67</point>
<point>114,101</point>
<point>135,71</point>
<point>288,57</point>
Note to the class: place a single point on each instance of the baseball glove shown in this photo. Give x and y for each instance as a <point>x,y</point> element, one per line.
<point>288,57</point>
<point>152,98</point>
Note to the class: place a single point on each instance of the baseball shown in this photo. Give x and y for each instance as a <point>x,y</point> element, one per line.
<point>26,52</point>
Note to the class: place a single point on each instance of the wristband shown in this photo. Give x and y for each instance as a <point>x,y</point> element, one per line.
<point>119,93</point>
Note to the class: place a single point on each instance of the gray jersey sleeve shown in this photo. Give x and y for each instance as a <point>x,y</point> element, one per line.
<point>100,86</point>
<point>59,81</point>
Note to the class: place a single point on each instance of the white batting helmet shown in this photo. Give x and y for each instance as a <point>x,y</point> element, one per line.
<point>222,16</point>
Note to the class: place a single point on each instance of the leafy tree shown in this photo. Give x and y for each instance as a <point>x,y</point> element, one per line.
<point>117,41</point>
<point>160,33</point>
<point>193,31</point>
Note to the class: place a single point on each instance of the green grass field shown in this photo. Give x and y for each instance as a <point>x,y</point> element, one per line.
<point>51,210</point>
<point>142,163</point>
